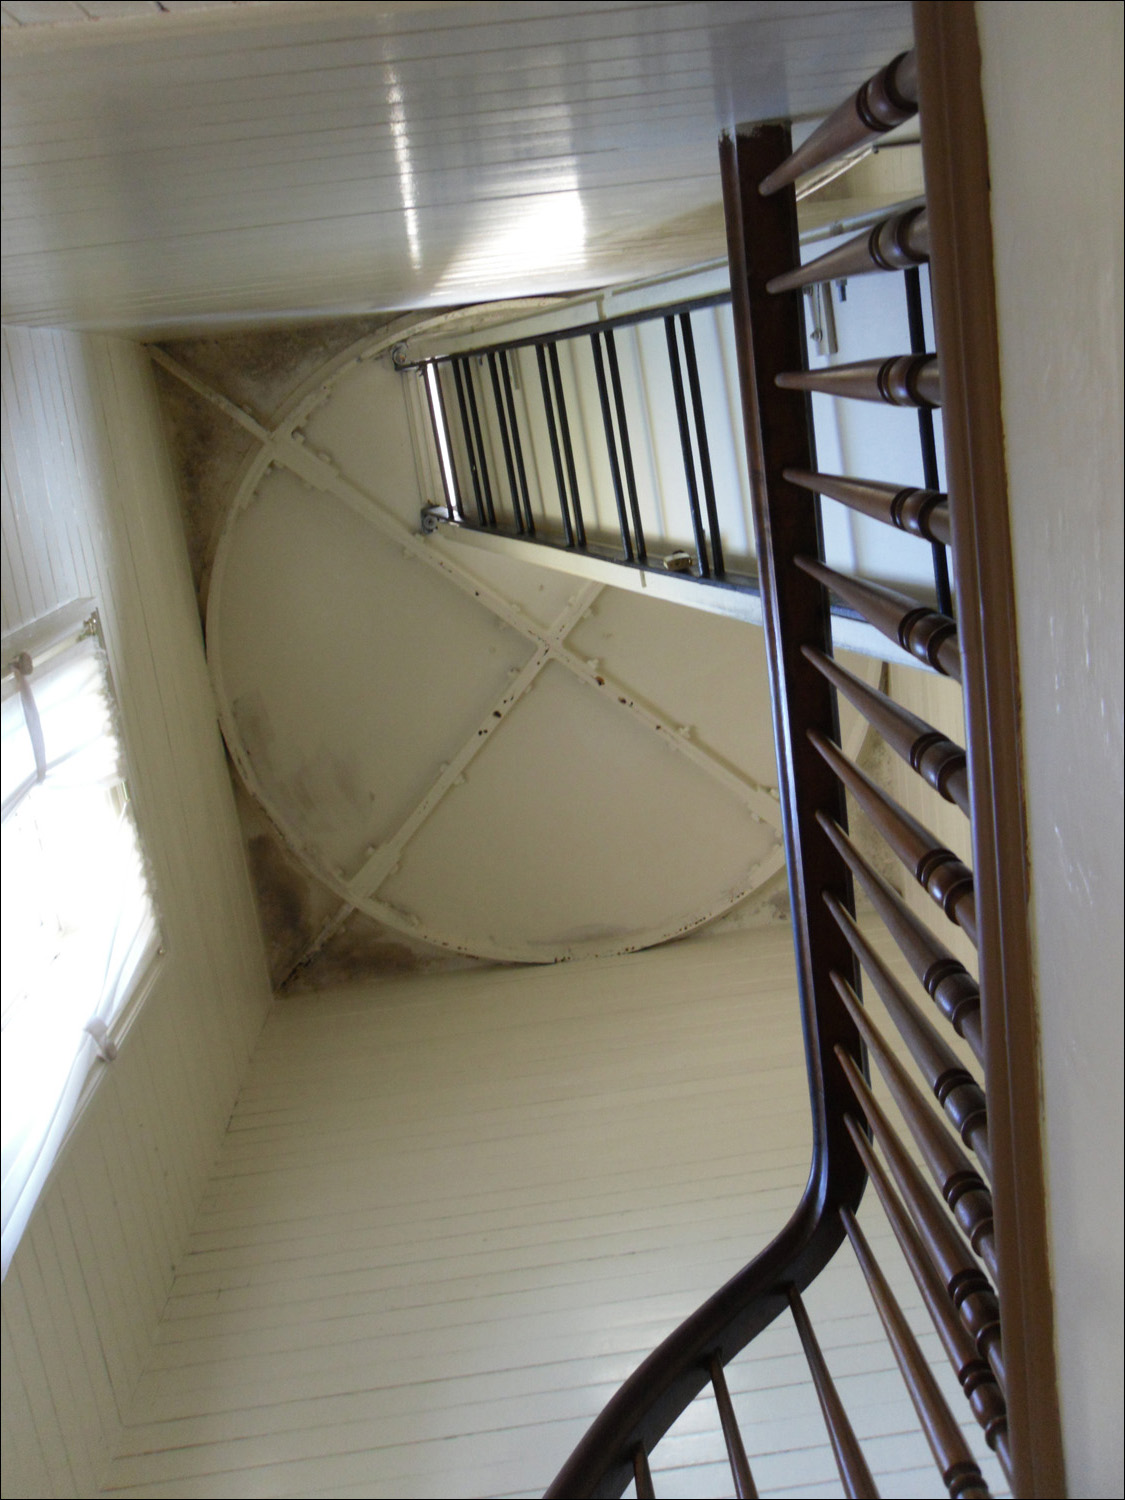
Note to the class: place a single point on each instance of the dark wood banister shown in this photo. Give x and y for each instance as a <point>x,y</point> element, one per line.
<point>955,153</point>
<point>777,433</point>
<point>762,245</point>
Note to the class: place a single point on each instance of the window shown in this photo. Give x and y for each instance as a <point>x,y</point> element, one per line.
<point>78,925</point>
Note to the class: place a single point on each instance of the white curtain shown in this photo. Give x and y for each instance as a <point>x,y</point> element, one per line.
<point>78,923</point>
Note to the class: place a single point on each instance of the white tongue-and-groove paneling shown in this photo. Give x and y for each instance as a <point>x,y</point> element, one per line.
<point>452,1213</point>
<point>255,163</point>
<point>90,511</point>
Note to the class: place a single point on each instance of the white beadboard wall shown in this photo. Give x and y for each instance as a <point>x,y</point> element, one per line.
<point>452,1212</point>
<point>90,509</point>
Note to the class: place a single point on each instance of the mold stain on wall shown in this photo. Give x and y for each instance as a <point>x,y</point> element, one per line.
<point>261,372</point>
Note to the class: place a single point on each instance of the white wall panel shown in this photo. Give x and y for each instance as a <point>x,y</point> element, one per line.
<point>90,511</point>
<point>1063,371</point>
<point>453,1212</point>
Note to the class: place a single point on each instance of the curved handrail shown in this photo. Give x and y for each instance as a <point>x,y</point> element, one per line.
<point>787,524</point>
<point>1009,1383</point>
<point>643,1409</point>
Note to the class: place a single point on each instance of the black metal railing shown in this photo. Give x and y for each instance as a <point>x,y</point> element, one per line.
<point>495,477</point>
<point>511,465</point>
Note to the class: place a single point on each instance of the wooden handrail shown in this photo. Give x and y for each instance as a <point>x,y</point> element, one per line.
<point>647,1404</point>
<point>762,238</point>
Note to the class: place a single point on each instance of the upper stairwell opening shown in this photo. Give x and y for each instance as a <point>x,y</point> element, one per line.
<point>487,746</point>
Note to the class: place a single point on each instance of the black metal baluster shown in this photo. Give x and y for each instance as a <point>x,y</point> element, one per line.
<point>556,454</point>
<point>505,442</point>
<point>480,443</point>
<point>912,280</point>
<point>701,440</point>
<point>459,383</point>
<point>685,444</point>
<point>611,446</point>
<point>441,431</point>
<point>568,450</point>
<point>529,519</point>
<point>626,449</point>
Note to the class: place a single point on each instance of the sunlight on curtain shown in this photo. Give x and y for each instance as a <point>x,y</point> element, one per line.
<point>77,920</point>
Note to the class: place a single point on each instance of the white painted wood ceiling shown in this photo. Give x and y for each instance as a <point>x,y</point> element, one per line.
<point>234,164</point>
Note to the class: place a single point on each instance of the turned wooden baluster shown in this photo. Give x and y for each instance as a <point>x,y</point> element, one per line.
<point>955,1089</point>
<point>959,1470</point>
<point>944,978</point>
<point>884,101</point>
<point>744,1486</point>
<point>920,513</point>
<point>899,380</point>
<point>918,629</point>
<point>973,1294</point>
<point>899,241</point>
<point>936,869</point>
<point>960,1184</point>
<point>854,1473</point>
<point>642,1474</point>
<point>974,1373</point>
<point>938,760</point>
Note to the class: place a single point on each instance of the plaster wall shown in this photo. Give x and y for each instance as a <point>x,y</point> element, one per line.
<point>1053,90</point>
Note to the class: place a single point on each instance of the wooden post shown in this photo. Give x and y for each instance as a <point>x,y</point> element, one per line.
<point>955,154</point>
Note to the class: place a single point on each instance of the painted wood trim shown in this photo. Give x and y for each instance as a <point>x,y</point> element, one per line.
<point>955,152</point>
<point>848,633</point>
